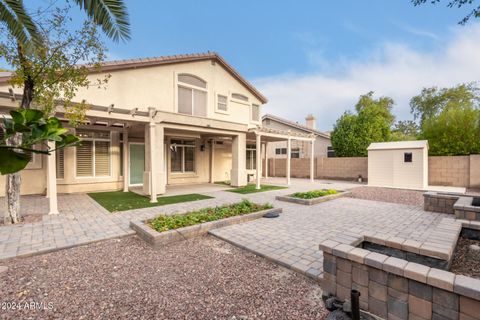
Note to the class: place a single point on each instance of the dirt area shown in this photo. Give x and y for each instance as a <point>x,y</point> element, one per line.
<point>29,218</point>
<point>201,278</point>
<point>462,263</point>
<point>401,196</point>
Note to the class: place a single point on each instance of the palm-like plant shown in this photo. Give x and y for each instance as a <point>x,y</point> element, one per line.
<point>110,15</point>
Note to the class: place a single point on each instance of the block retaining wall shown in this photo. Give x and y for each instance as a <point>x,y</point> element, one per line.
<point>393,288</point>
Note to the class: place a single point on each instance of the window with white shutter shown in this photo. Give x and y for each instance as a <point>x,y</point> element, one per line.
<point>93,156</point>
<point>59,158</point>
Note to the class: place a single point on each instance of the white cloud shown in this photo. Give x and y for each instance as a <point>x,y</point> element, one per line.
<point>393,69</point>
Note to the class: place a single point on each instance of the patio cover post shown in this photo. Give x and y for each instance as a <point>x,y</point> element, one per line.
<point>266,160</point>
<point>238,174</point>
<point>312,160</point>
<point>212,160</point>
<point>258,159</point>
<point>52,180</point>
<point>126,173</point>
<point>153,167</point>
<point>289,156</point>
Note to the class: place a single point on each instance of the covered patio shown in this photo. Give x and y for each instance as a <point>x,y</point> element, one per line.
<point>262,136</point>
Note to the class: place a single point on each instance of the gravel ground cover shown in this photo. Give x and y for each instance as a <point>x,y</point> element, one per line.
<point>201,278</point>
<point>400,196</point>
<point>462,263</point>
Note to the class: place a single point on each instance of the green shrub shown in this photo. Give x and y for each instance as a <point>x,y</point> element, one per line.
<point>165,223</point>
<point>314,194</point>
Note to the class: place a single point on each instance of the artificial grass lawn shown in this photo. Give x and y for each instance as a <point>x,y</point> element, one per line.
<point>250,188</point>
<point>314,194</point>
<point>121,201</point>
<point>165,223</point>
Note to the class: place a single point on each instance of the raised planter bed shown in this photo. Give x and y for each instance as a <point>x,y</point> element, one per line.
<point>157,239</point>
<point>310,202</point>
<point>463,207</point>
<point>400,278</point>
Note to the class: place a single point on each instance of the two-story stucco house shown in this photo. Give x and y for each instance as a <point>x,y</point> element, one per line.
<point>163,121</point>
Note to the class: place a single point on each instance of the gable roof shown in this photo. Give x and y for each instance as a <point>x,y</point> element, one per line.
<point>393,145</point>
<point>295,125</point>
<point>163,60</point>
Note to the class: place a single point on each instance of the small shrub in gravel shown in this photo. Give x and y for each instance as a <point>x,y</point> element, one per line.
<point>165,223</point>
<point>314,194</point>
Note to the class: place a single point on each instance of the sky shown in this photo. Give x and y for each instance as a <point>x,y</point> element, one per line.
<point>314,56</point>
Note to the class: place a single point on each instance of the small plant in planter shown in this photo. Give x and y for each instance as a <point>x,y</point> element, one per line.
<point>314,194</point>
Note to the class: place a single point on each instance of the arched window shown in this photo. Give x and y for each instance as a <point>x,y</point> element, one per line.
<point>192,95</point>
<point>239,96</point>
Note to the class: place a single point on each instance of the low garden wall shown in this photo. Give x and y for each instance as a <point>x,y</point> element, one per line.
<point>396,288</point>
<point>158,239</point>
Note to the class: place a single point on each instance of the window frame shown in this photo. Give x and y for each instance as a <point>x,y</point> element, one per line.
<point>251,113</point>
<point>227,111</point>
<point>94,139</point>
<point>250,148</point>
<point>296,151</point>
<point>184,85</point>
<point>183,146</point>
<point>407,155</point>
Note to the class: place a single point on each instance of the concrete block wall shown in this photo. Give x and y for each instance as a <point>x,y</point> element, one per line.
<point>456,171</point>
<point>449,171</point>
<point>342,168</point>
<point>325,168</point>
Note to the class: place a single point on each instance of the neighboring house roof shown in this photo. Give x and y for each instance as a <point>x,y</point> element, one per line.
<point>393,145</point>
<point>295,125</point>
<point>163,60</point>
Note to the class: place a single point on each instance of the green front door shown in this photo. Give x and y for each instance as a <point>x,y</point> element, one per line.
<point>137,163</point>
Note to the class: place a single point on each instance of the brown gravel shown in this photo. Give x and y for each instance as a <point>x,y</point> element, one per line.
<point>201,278</point>
<point>401,196</point>
<point>461,263</point>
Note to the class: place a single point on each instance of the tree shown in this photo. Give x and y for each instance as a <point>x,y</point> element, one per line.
<point>353,133</point>
<point>405,130</point>
<point>475,12</point>
<point>49,74</point>
<point>111,15</point>
<point>450,119</point>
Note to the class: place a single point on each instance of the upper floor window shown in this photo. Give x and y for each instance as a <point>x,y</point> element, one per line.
<point>255,112</point>
<point>222,103</point>
<point>192,80</point>
<point>239,96</point>
<point>192,95</point>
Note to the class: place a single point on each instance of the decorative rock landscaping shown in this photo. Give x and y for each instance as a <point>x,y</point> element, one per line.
<point>309,202</point>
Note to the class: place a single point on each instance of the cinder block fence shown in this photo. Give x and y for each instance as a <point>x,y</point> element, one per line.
<point>456,171</point>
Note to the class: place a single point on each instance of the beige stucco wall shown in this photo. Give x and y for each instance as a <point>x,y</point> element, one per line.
<point>222,162</point>
<point>386,168</point>
<point>33,177</point>
<point>157,87</point>
<point>71,183</point>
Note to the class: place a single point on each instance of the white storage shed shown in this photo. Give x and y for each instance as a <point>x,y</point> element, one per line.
<point>399,164</point>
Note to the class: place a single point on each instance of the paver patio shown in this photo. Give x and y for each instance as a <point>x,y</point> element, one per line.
<point>294,237</point>
<point>291,240</point>
<point>82,220</point>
